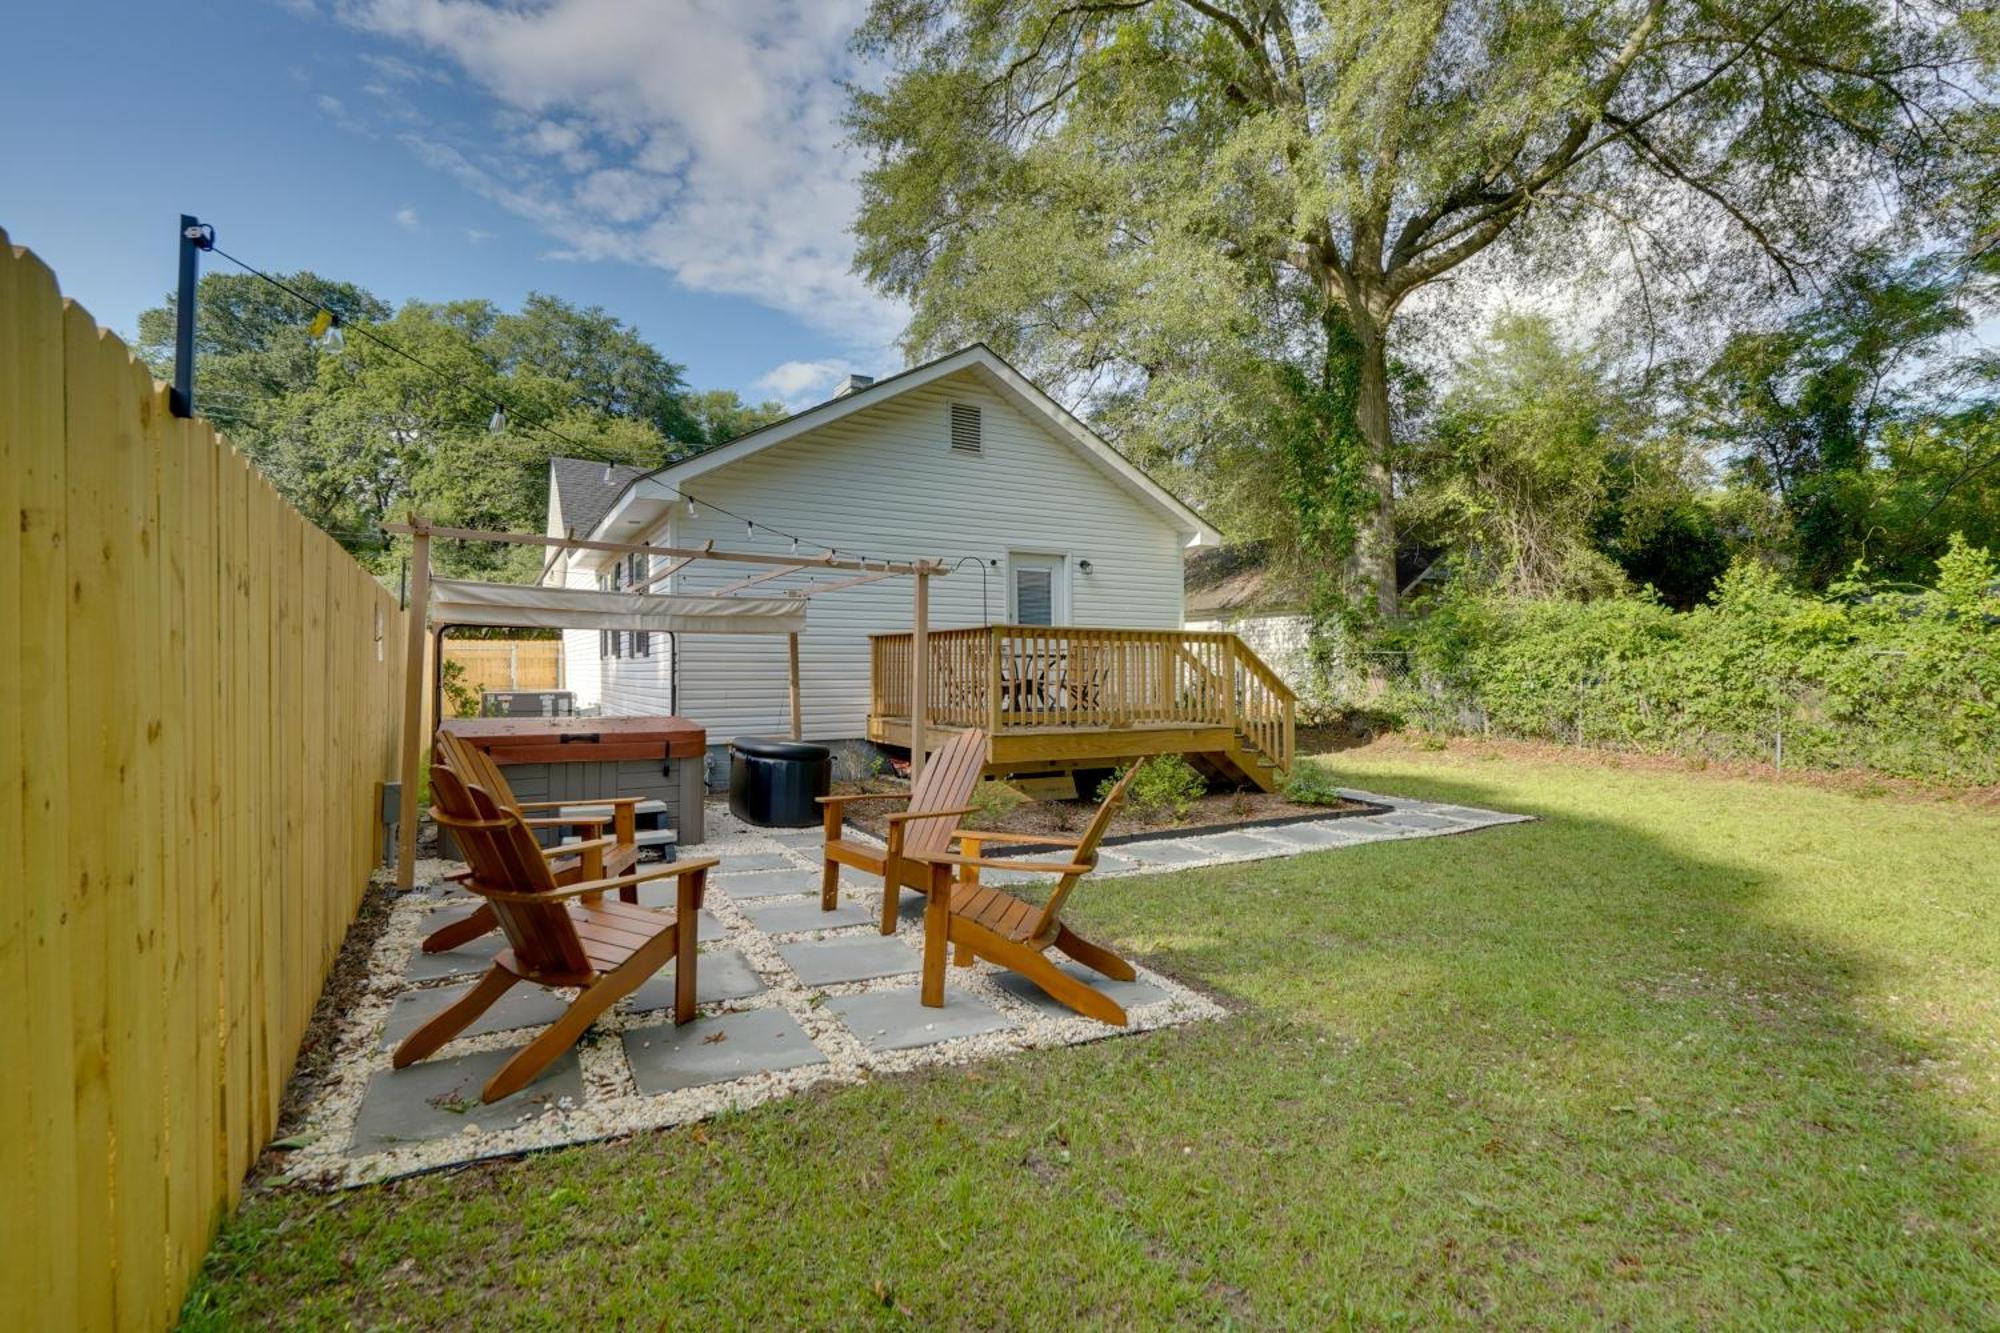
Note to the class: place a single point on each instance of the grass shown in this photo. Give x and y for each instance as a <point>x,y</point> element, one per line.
<point>1688,1051</point>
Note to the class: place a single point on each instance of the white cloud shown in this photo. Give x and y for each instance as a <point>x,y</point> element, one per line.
<point>477,235</point>
<point>406,218</point>
<point>802,383</point>
<point>702,137</point>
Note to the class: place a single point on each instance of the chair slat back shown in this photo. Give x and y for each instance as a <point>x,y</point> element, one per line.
<point>503,854</point>
<point>476,767</point>
<point>1086,851</point>
<point>945,784</point>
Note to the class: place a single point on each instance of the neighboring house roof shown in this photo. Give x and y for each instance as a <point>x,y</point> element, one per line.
<point>585,490</point>
<point>1233,580</point>
<point>1004,377</point>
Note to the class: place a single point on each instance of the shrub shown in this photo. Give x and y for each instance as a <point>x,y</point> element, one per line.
<point>1312,783</point>
<point>991,801</point>
<point>460,698</point>
<point>1166,785</point>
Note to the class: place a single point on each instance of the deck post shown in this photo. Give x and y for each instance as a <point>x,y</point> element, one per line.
<point>1229,681</point>
<point>920,672</point>
<point>792,664</point>
<point>413,704</point>
<point>994,638</point>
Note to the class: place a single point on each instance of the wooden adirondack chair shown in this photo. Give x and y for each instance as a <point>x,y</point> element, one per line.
<point>558,935</point>
<point>982,922</point>
<point>590,860</point>
<point>936,801</point>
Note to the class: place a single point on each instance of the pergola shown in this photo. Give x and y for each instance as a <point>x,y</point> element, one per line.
<point>460,602</point>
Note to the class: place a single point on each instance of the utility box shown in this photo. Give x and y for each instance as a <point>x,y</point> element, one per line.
<point>527,703</point>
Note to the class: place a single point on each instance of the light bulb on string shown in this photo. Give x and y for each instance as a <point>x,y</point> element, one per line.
<point>692,511</point>
<point>498,422</point>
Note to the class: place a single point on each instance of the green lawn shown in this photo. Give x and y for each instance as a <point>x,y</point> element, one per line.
<point>1689,1051</point>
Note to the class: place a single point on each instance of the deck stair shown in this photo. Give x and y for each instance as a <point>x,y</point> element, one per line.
<point>1063,698</point>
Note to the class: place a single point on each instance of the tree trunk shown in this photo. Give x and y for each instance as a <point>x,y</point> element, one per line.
<point>1373,566</point>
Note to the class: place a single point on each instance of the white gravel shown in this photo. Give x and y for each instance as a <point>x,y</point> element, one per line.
<point>613,1106</point>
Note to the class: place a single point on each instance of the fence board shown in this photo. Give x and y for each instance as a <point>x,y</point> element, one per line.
<point>195,721</point>
<point>507,664</point>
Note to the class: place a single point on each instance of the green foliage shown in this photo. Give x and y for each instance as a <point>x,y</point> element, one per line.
<point>991,800</point>
<point>1870,436</point>
<point>1904,683</point>
<point>721,416</point>
<point>461,698</point>
<point>354,436</point>
<point>1312,783</point>
<point>1168,203</point>
<point>1167,786</point>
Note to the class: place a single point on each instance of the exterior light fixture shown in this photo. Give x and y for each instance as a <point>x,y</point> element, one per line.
<point>1083,566</point>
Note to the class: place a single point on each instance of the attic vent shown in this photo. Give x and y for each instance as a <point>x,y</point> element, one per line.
<point>966,437</point>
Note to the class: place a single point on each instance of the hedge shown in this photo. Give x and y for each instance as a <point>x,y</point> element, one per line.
<point>1907,683</point>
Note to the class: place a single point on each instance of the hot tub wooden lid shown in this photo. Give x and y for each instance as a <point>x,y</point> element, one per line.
<point>580,740</point>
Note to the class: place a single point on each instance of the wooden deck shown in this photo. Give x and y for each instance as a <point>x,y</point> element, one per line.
<point>1062,698</point>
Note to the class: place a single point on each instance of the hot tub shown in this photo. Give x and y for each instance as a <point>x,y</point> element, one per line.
<point>658,759</point>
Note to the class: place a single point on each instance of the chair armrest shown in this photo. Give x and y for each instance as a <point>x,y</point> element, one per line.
<point>863,796</point>
<point>556,805</point>
<point>1059,839</point>
<point>577,848</point>
<point>908,815</point>
<point>566,823</point>
<point>673,870</point>
<point>1002,863</point>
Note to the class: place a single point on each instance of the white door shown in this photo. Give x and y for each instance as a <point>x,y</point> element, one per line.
<point>1037,589</point>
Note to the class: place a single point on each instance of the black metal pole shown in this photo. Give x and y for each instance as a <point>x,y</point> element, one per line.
<point>195,237</point>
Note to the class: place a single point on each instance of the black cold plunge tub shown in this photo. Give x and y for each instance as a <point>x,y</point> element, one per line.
<point>774,783</point>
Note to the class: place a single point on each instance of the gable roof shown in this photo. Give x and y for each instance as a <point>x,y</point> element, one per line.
<point>1226,580</point>
<point>1009,381</point>
<point>585,490</point>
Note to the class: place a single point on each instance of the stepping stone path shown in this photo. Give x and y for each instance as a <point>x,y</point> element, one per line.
<point>789,997</point>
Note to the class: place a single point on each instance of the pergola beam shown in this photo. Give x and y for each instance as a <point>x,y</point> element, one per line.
<point>836,586</point>
<point>671,570</point>
<point>703,552</point>
<point>756,579</point>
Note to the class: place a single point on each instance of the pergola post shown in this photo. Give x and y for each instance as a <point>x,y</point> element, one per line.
<point>920,672</point>
<point>413,705</point>
<point>792,661</point>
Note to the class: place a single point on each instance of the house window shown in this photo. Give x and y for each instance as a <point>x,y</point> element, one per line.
<point>966,434</point>
<point>603,635</point>
<point>618,636</point>
<point>642,640</point>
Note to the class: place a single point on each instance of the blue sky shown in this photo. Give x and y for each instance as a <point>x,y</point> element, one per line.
<point>674,161</point>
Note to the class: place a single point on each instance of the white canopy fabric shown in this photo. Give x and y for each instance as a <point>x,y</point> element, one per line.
<point>465,602</point>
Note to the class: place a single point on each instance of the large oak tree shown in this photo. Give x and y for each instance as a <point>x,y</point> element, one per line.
<point>1159,199</point>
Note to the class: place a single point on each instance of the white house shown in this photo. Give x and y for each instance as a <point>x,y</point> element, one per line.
<point>962,459</point>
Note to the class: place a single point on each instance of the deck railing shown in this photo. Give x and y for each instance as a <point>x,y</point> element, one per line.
<point>1020,677</point>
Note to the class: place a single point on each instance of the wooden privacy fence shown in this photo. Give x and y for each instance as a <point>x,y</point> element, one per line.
<point>507,664</point>
<point>202,695</point>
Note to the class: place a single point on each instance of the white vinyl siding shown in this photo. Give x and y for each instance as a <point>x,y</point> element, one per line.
<point>886,482</point>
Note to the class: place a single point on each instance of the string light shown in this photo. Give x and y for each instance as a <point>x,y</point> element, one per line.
<point>499,421</point>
